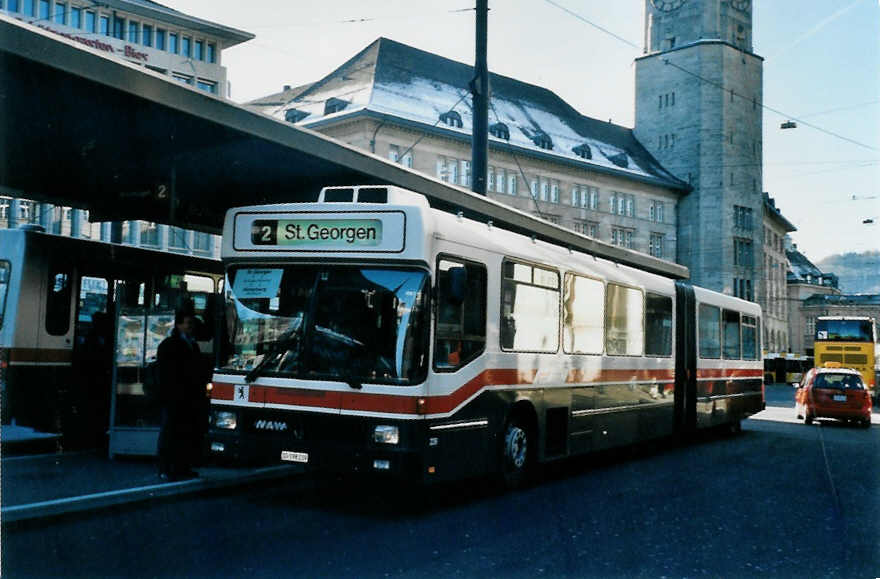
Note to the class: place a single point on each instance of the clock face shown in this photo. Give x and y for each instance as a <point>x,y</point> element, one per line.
<point>668,5</point>
<point>740,4</point>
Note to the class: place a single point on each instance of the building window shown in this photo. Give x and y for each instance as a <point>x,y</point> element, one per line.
<point>199,53</point>
<point>104,23</point>
<point>176,238</point>
<point>655,244</point>
<point>147,35</point>
<point>465,173</point>
<point>656,211</point>
<point>500,180</point>
<point>134,29</point>
<point>44,10</point>
<point>172,43</point>
<point>500,131</point>
<point>207,86</point>
<point>160,39</point>
<point>185,46</point>
<point>91,21</point>
<point>452,119</point>
<point>75,17</point>
<point>512,183</point>
<point>27,7</point>
<point>544,188</point>
<point>202,242</point>
<point>543,141</point>
<point>294,115</point>
<point>149,233</point>
<point>334,105</point>
<point>407,160</point>
<point>212,53</point>
<point>554,191</point>
<point>182,78</point>
<point>118,27</point>
<point>742,217</point>
<point>583,151</point>
<point>60,12</point>
<point>622,204</point>
<point>490,178</point>
<point>622,237</point>
<point>742,252</point>
<point>393,153</point>
<point>588,228</point>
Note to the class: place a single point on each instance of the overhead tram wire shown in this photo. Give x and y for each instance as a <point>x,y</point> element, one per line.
<point>709,81</point>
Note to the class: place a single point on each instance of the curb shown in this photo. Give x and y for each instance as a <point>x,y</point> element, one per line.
<point>97,501</point>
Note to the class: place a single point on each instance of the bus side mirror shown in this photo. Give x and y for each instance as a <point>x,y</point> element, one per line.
<point>457,285</point>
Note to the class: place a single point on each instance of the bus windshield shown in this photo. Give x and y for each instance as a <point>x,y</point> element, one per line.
<point>844,330</point>
<point>346,323</point>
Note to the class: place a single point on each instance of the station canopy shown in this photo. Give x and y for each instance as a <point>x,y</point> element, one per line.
<point>85,130</point>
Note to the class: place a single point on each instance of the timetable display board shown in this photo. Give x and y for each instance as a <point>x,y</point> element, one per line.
<point>353,231</point>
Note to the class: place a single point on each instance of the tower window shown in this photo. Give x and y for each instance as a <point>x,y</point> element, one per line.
<point>543,140</point>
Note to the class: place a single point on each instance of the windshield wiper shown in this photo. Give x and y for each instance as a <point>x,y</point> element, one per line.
<point>279,347</point>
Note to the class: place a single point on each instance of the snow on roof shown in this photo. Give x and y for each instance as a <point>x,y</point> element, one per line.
<point>393,79</point>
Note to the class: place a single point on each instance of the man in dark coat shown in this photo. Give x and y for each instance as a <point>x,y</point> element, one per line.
<point>183,374</point>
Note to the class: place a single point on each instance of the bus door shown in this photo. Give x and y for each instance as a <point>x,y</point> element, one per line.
<point>685,359</point>
<point>144,317</point>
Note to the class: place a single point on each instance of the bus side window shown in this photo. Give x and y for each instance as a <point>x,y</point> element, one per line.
<point>460,334</point>
<point>58,301</point>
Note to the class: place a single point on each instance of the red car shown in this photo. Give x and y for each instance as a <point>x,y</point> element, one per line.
<point>833,393</point>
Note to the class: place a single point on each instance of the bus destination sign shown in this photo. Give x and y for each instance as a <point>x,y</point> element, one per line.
<point>324,233</point>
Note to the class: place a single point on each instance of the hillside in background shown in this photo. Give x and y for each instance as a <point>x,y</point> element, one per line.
<point>859,273</point>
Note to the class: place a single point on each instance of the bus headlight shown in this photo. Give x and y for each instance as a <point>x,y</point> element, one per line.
<point>384,434</point>
<point>225,420</point>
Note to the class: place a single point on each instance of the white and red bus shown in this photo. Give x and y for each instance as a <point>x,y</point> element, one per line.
<point>372,333</point>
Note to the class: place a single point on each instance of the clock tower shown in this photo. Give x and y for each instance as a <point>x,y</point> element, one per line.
<point>698,111</point>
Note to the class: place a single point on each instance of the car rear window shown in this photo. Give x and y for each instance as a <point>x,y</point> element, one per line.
<point>839,382</point>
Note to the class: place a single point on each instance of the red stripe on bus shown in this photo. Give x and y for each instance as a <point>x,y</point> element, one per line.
<point>396,404</point>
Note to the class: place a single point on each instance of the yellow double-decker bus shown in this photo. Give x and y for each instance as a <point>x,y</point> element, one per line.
<point>849,341</point>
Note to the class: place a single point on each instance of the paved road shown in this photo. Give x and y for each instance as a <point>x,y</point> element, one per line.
<point>780,500</point>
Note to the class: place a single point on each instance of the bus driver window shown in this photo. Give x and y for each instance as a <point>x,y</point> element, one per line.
<point>460,334</point>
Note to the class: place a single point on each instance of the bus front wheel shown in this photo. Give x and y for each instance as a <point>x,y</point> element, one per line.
<point>517,450</point>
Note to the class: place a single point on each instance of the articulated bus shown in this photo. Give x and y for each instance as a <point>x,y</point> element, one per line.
<point>850,341</point>
<point>371,333</point>
<point>79,320</point>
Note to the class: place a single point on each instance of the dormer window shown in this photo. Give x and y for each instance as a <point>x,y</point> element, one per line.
<point>451,118</point>
<point>583,151</point>
<point>620,159</point>
<point>294,116</point>
<point>334,105</point>
<point>500,131</point>
<point>543,140</point>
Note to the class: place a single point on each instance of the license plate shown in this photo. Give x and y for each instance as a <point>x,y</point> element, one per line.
<point>840,398</point>
<point>290,456</point>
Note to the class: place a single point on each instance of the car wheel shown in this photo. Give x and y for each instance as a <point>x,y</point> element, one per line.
<point>516,453</point>
<point>866,423</point>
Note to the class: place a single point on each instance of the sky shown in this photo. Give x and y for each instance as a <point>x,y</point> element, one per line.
<point>821,70</point>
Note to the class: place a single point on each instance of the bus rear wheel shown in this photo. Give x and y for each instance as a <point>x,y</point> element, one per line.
<point>516,453</point>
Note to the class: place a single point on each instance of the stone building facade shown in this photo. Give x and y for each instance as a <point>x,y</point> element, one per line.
<point>774,296</point>
<point>805,281</point>
<point>182,47</point>
<point>545,158</point>
<point>698,111</point>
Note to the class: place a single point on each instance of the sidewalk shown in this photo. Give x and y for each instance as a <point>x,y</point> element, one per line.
<point>46,485</point>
